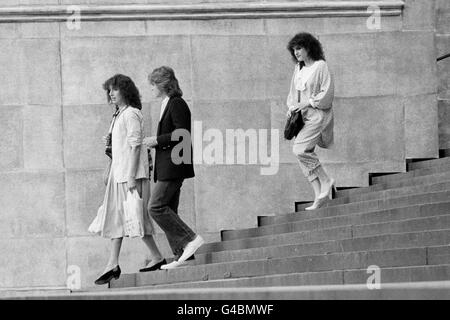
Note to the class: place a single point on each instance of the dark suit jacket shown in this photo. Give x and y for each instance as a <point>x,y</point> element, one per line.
<point>176,116</point>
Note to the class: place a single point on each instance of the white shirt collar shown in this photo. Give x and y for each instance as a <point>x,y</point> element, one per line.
<point>163,106</point>
<point>304,74</point>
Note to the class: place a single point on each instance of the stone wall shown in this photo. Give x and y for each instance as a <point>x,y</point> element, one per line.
<point>443,47</point>
<point>235,74</point>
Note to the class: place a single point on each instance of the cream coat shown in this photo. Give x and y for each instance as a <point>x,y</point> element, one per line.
<point>319,91</point>
<point>128,131</point>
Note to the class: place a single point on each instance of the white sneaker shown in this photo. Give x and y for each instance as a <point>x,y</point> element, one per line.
<point>190,248</point>
<point>174,264</point>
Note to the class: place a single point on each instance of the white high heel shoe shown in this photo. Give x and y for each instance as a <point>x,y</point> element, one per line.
<point>329,192</point>
<point>316,205</point>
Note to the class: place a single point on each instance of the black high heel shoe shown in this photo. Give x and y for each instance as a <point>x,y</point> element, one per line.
<point>154,267</point>
<point>108,276</point>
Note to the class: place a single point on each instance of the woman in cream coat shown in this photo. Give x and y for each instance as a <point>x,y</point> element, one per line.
<point>129,170</point>
<point>311,93</point>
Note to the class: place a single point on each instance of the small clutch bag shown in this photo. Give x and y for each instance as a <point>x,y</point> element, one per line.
<point>293,125</point>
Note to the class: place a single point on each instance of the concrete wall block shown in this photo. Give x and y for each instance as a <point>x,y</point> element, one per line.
<point>88,62</point>
<point>11,61</point>
<point>33,262</point>
<point>229,27</point>
<point>104,29</point>
<point>419,15</point>
<point>103,2</point>
<point>42,137</point>
<point>279,67</point>
<point>367,129</point>
<point>213,121</point>
<point>362,64</point>
<point>32,70</point>
<point>328,25</point>
<point>374,64</point>
<point>11,144</point>
<point>27,2</point>
<point>421,127</point>
<point>39,30</point>
<point>84,127</point>
<point>84,191</point>
<point>231,197</point>
<point>443,66</point>
<point>233,71</point>
<point>32,205</point>
<point>9,31</point>
<point>442,16</point>
<point>42,72</point>
<point>422,78</point>
<point>444,124</point>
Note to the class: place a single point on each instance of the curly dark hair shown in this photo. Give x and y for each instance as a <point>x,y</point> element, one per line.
<point>309,43</point>
<point>165,80</point>
<point>127,88</point>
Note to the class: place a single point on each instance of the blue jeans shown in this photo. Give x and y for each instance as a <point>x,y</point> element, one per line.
<point>164,210</point>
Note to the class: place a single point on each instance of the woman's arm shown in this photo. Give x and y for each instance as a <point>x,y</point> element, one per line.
<point>324,98</point>
<point>134,139</point>
<point>134,161</point>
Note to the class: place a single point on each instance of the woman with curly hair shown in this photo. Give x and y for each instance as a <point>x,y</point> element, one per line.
<point>129,171</point>
<point>312,93</point>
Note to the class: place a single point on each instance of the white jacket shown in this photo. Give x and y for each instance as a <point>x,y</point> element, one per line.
<point>128,131</point>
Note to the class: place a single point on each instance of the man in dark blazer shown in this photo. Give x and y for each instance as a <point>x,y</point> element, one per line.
<point>173,164</point>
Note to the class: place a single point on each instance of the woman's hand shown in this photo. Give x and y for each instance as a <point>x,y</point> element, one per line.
<point>131,183</point>
<point>293,109</point>
<point>107,140</point>
<point>297,108</point>
<point>150,142</point>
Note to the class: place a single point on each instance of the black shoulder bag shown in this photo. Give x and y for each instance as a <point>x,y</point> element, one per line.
<point>294,123</point>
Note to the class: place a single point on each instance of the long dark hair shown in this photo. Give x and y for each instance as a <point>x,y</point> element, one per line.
<point>310,43</point>
<point>127,88</point>
<point>164,79</point>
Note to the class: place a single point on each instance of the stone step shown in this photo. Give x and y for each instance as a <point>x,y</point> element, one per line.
<point>335,277</point>
<point>378,242</point>
<point>357,207</point>
<point>405,213</point>
<point>314,263</point>
<point>383,194</point>
<point>411,174</point>
<point>428,163</point>
<point>335,233</point>
<point>422,180</point>
<point>430,290</point>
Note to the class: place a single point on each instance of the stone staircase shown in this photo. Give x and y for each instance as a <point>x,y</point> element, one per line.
<point>400,223</point>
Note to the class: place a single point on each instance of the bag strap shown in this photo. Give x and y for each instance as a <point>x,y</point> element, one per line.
<point>115,116</point>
